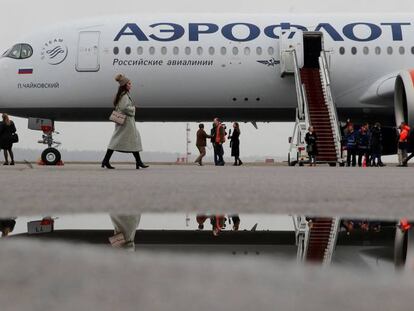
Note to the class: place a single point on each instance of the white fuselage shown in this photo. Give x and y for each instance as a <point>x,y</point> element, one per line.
<point>186,68</point>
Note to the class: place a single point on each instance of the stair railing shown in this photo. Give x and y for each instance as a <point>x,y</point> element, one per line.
<point>302,236</point>
<point>303,109</point>
<point>333,238</point>
<point>326,85</point>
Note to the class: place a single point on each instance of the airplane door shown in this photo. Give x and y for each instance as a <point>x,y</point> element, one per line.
<point>88,51</point>
<point>291,39</point>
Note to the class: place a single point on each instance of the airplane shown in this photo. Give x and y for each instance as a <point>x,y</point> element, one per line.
<point>197,67</point>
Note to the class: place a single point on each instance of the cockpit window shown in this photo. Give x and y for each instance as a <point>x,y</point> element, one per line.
<point>20,51</point>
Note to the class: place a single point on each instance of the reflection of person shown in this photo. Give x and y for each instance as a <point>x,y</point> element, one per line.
<point>126,137</point>
<point>7,226</point>
<point>125,228</point>
<point>7,138</point>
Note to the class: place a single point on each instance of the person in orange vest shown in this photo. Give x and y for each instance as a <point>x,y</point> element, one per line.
<point>220,139</point>
<point>403,144</point>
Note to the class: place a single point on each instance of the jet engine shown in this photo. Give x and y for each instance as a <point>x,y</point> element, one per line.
<point>404,97</point>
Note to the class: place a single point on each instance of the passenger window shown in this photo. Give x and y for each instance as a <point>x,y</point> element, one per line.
<point>200,51</point>
<point>271,50</point>
<point>187,50</point>
<point>259,50</point>
<point>223,51</point>
<point>389,50</point>
<point>246,51</point>
<point>366,50</point>
<point>402,50</point>
<point>211,50</point>
<point>116,50</point>
<point>127,50</point>
<point>26,51</point>
<point>163,50</point>
<point>140,50</point>
<point>378,50</point>
<point>176,50</point>
<point>235,51</point>
<point>152,50</point>
<point>342,50</point>
<point>354,51</point>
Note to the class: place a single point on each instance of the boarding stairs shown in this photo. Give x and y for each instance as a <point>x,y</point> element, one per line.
<point>316,108</point>
<point>316,239</point>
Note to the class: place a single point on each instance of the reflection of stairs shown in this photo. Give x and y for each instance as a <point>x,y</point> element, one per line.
<point>319,239</point>
<point>319,115</point>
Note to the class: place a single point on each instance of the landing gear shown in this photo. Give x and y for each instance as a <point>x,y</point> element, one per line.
<point>51,156</point>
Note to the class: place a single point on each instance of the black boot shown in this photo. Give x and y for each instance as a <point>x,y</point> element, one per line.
<point>240,162</point>
<point>138,160</point>
<point>105,162</point>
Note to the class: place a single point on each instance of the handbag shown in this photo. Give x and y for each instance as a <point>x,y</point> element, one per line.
<point>14,138</point>
<point>118,117</point>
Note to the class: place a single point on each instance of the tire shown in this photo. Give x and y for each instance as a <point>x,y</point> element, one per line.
<point>51,157</point>
<point>290,162</point>
<point>332,164</point>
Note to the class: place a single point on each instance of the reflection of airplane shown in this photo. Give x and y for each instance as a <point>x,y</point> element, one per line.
<point>194,68</point>
<point>380,244</point>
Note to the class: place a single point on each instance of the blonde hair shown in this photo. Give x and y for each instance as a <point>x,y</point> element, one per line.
<point>6,118</point>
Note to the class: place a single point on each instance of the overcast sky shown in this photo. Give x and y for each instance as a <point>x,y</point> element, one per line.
<point>16,17</point>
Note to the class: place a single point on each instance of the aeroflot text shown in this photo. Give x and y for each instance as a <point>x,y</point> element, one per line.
<point>243,32</point>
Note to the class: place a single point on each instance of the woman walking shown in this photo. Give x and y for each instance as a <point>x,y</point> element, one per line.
<point>235,144</point>
<point>126,137</point>
<point>8,136</point>
<point>311,140</point>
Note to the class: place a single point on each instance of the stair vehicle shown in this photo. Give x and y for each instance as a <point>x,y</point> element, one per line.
<point>303,56</point>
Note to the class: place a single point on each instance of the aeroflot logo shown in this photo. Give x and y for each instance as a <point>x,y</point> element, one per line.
<point>243,32</point>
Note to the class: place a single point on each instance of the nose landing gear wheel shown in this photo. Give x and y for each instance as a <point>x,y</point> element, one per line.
<point>51,157</point>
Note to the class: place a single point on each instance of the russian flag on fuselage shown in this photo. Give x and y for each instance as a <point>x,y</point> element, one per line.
<point>25,71</point>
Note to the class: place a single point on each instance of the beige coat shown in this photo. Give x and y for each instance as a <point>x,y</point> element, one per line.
<point>126,137</point>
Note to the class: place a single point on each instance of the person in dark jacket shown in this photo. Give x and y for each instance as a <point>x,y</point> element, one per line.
<point>376,145</point>
<point>213,142</point>
<point>351,146</point>
<point>8,137</point>
<point>7,226</point>
<point>311,140</point>
<point>363,144</point>
<point>201,143</point>
<point>235,144</point>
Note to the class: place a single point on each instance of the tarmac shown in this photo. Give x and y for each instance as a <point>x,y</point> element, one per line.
<point>380,193</point>
<point>39,275</point>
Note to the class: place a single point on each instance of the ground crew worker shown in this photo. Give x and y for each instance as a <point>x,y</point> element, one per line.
<point>351,146</point>
<point>411,147</point>
<point>219,141</point>
<point>403,144</point>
